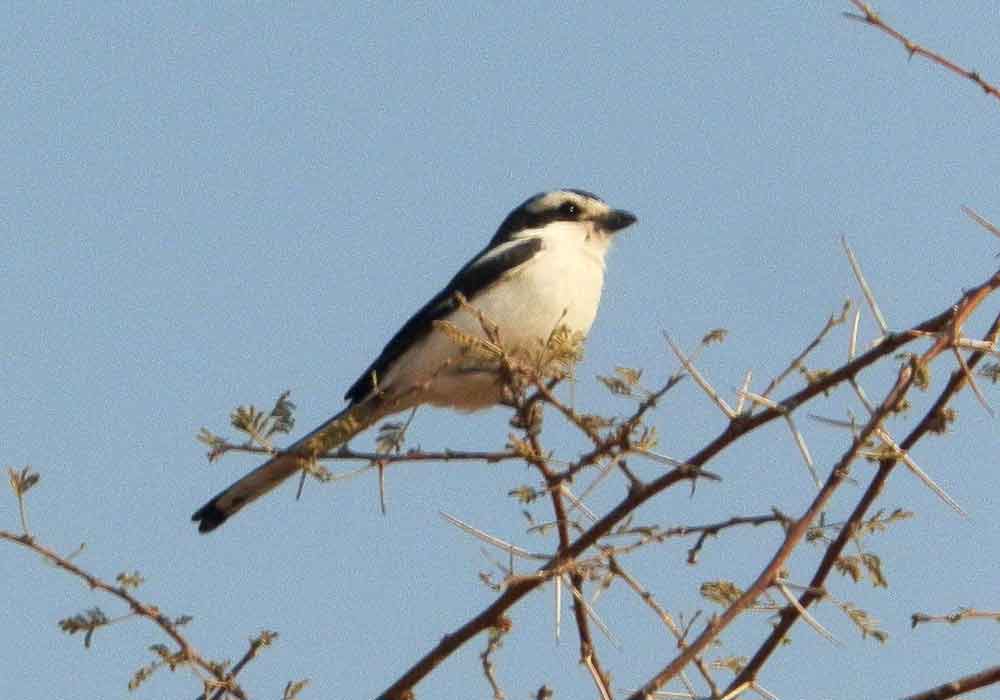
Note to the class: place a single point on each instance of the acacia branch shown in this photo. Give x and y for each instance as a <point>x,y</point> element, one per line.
<point>870,17</point>
<point>691,470</point>
<point>960,686</point>
<point>832,322</point>
<point>793,535</point>
<point>346,454</point>
<point>616,568</point>
<point>927,424</point>
<point>225,681</point>
<point>553,482</point>
<point>955,617</point>
<point>256,644</point>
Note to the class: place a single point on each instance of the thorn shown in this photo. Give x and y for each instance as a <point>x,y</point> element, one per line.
<point>865,289</point>
<point>700,380</point>
<point>809,619</point>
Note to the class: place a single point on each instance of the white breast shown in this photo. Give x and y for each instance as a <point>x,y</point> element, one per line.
<point>560,285</point>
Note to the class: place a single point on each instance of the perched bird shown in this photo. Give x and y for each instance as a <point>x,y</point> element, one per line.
<point>542,269</point>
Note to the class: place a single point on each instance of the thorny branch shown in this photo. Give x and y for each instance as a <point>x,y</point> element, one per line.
<point>832,322</point>
<point>931,419</point>
<point>215,674</point>
<point>494,643</point>
<point>346,454</point>
<point>616,568</point>
<point>793,536</point>
<point>963,685</point>
<point>872,18</point>
<point>588,654</point>
<point>707,531</point>
<point>528,417</point>
<point>942,324</point>
<point>955,617</point>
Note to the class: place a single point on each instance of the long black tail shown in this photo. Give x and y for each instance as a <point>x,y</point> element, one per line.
<point>333,433</point>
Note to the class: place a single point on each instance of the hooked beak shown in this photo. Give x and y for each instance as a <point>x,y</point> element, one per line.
<point>615,220</point>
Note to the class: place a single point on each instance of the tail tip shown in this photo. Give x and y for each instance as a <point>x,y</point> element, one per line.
<point>209,517</point>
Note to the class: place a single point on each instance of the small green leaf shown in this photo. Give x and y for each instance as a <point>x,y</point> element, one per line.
<point>22,481</point>
<point>850,566</point>
<point>282,419</point>
<point>525,494</point>
<point>293,689</point>
<point>731,663</point>
<point>874,566</point>
<point>86,622</point>
<point>723,593</point>
<point>716,335</point>
<point>990,370</point>
<point>133,580</point>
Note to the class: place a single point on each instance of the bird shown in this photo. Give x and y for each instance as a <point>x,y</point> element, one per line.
<point>542,269</point>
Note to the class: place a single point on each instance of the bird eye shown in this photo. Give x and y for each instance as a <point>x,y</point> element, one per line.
<point>568,209</point>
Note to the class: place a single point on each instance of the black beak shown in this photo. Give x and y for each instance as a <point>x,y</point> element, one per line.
<point>616,220</point>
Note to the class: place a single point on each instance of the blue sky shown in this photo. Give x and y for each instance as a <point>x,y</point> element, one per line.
<point>204,205</point>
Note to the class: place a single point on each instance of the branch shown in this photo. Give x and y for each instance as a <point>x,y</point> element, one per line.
<point>616,568</point>
<point>553,481</point>
<point>714,529</point>
<point>414,455</point>
<point>188,654</point>
<point>932,418</point>
<point>793,536</point>
<point>960,686</point>
<point>955,617</point>
<point>832,322</point>
<point>256,644</point>
<point>871,18</point>
<point>638,495</point>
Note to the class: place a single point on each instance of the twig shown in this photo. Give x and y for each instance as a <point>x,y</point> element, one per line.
<point>616,568</point>
<point>653,535</point>
<point>832,322</point>
<point>489,669</point>
<point>553,481</point>
<point>714,529</point>
<point>793,536</point>
<point>256,644</point>
<point>969,302</point>
<point>188,653</point>
<point>955,617</point>
<point>346,454</point>
<point>870,17</point>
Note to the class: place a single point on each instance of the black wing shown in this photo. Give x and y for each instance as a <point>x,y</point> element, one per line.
<point>474,277</point>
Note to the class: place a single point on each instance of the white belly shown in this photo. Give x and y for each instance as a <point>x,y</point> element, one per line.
<point>559,286</point>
